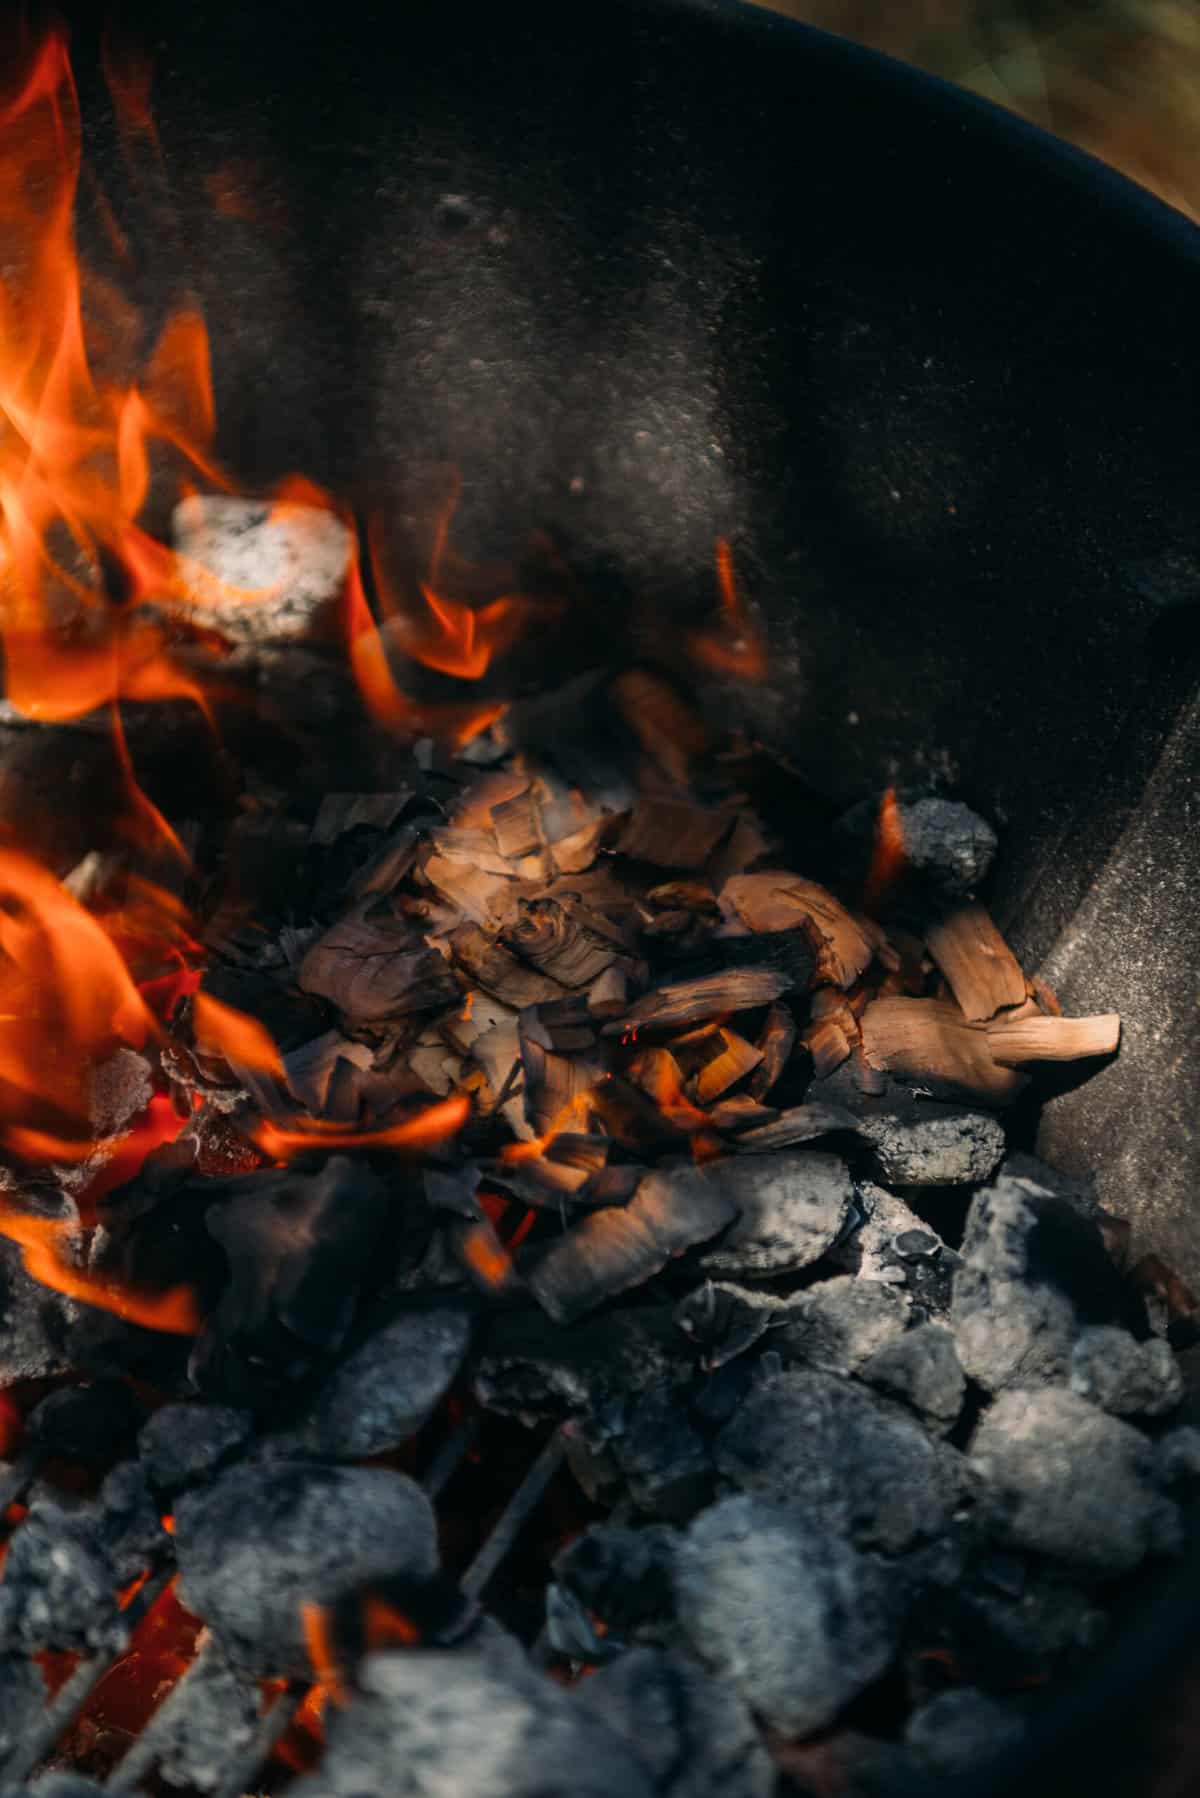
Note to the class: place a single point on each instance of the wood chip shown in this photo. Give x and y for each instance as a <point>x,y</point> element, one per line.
<point>491,966</point>
<point>310,1067</point>
<point>487,899</point>
<point>517,828</point>
<point>669,833</point>
<point>564,939</point>
<point>1054,1039</point>
<point>692,1001</point>
<point>736,1059</point>
<point>929,1040</point>
<point>575,853</point>
<point>554,1084</point>
<point>776,900</point>
<point>374,968</point>
<point>828,1045</point>
<point>801,1123</point>
<point>608,996</point>
<point>776,1043</point>
<point>982,971</point>
<point>477,848</point>
<point>611,1250</point>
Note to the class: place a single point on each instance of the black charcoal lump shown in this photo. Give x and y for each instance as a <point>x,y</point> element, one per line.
<point>184,1444</point>
<point>264,1539</point>
<point>87,1424</point>
<point>384,1391</point>
<point>793,1208</point>
<point>1063,1479</point>
<point>923,1371</point>
<point>839,1324</point>
<point>859,1465</point>
<point>1034,1275</point>
<point>530,1366</point>
<point>795,1618</point>
<point>960,1731</point>
<point>129,1521</point>
<point>480,1725</point>
<point>623,1576</point>
<point>893,1245</point>
<point>1124,1376</point>
<point>694,1734</point>
<point>663,1457</point>
<point>59,1586</point>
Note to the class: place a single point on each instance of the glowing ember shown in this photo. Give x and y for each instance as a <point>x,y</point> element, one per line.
<point>318,1639</point>
<point>737,647</point>
<point>888,855</point>
<point>224,1030</point>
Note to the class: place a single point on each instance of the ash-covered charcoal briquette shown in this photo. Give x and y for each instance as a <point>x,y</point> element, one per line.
<point>128,1520</point>
<point>837,1325</point>
<point>59,1589</point>
<point>799,1620</point>
<point>1124,1376</point>
<point>1061,1478</point>
<point>663,1457</point>
<point>217,1723</point>
<point>623,1576</point>
<point>934,1145</point>
<point>387,1388</point>
<point>693,1732</point>
<point>860,1465</point>
<point>923,1371</point>
<point>889,1242</point>
<point>88,1424</point>
<point>791,1208</point>
<point>960,1731</point>
<point>527,1365</point>
<point>181,1445</point>
<point>265,1539</point>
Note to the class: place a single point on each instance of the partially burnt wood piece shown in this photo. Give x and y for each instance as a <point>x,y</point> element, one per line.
<point>492,967</point>
<point>776,899</point>
<point>776,1043</point>
<point>802,1123</point>
<point>376,967</point>
<point>930,1041</point>
<point>678,1003</point>
<point>980,968</point>
<point>517,828</point>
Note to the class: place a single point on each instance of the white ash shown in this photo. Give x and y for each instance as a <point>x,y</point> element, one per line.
<point>258,571</point>
<point>1063,1479</point>
<point>180,1445</point>
<point>488,1729</point>
<point>1124,1376</point>
<point>923,1371</point>
<point>859,1464</point>
<point>694,1734</point>
<point>1034,1274</point>
<point>960,1731</point>
<point>793,1208</point>
<point>796,1618</point>
<point>264,1539</point>
<point>837,1325</point>
<point>939,1146</point>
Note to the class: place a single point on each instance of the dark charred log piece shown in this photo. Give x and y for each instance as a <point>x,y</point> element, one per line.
<point>528,1365</point>
<point>860,1466</point>
<point>611,1250</point>
<point>790,1210</point>
<point>384,1390</point>
<point>982,971</point>
<point>775,1044</point>
<point>492,967</point>
<point>793,1616</point>
<point>263,1540</point>
<point>623,1576</point>
<point>300,1247</point>
<point>182,1445</point>
<point>91,1425</point>
<point>373,966</point>
<point>695,1735</point>
<point>1062,1479</point>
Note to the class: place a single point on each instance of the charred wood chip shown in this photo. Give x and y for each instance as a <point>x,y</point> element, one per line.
<point>801,1123</point>
<point>492,1727</point>
<point>564,939</point>
<point>664,1459</point>
<point>611,1250</point>
<point>694,1733</point>
<point>790,1209</point>
<point>923,1371</point>
<point>1034,1274</point>
<point>837,1325</point>
<point>935,1145</point>
<point>487,899</point>
<point>735,1059</point>
<point>789,1613</point>
<point>386,1389</point>
<point>59,1587</point>
<point>264,1539</point>
<point>625,1577</point>
<point>517,826</point>
<point>181,1445</point>
<point>90,1425</point>
<point>1124,1376</point>
<point>681,1002</point>
<point>669,833</point>
<point>310,1068</point>
<point>983,973</point>
<point>553,1083</point>
<point>929,1041</point>
<point>374,967</point>
<point>778,901</point>
<point>776,1043</point>
<point>738,1113</point>
<point>491,966</point>
<point>453,1189</point>
<point>828,1045</point>
<point>300,1247</point>
<point>1063,1479</point>
<point>860,1466</point>
<point>477,848</point>
<point>528,1365</point>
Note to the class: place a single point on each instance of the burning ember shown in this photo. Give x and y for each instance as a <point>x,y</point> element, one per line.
<point>503,1117</point>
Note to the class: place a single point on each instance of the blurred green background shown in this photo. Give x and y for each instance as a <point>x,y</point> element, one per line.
<point>1121,78</point>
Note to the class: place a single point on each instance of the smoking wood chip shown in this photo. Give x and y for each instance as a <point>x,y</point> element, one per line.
<point>736,1058</point>
<point>487,899</point>
<point>669,833</point>
<point>692,1001</point>
<point>1054,1039</point>
<point>564,939</point>
<point>515,823</point>
<point>477,848</point>
<point>801,1123</point>
<point>574,854</point>
<point>776,900</point>
<point>931,1041</point>
<point>375,968</point>
<point>258,571</point>
<point>982,971</point>
<point>492,967</point>
<point>611,1250</point>
<point>828,1045</point>
<point>342,812</point>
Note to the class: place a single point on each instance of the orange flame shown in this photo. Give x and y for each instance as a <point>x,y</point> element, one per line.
<point>385,1623</point>
<point>888,857</point>
<point>424,1131</point>
<point>737,648</point>
<point>233,1034</point>
<point>318,1639</point>
<point>45,1244</point>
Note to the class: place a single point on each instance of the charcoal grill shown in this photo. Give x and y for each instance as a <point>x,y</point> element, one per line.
<point>649,274</point>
